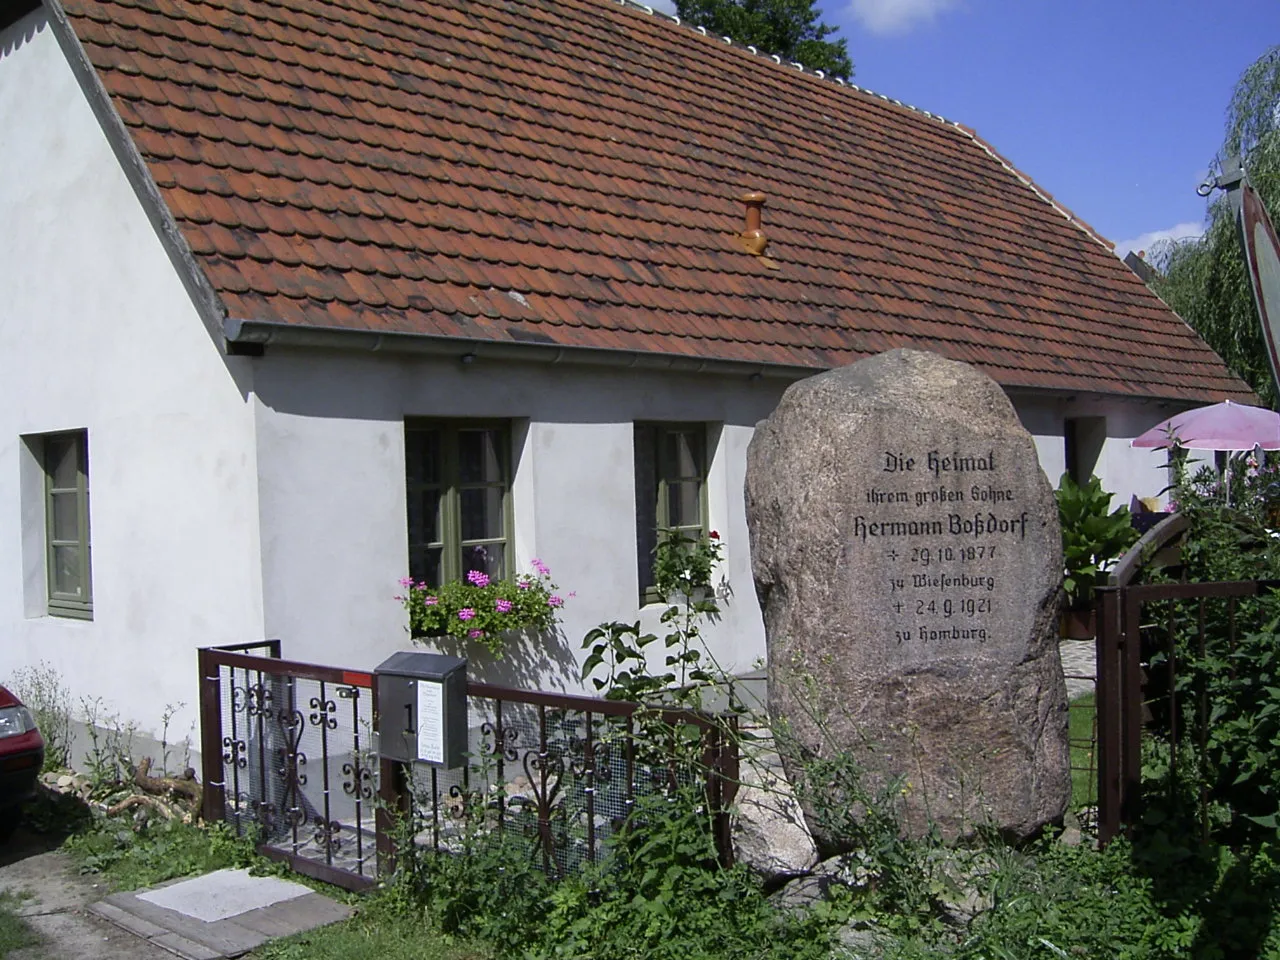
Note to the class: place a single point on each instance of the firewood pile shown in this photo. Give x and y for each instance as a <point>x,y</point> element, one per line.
<point>167,798</point>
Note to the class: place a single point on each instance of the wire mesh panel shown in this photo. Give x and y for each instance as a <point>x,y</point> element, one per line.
<point>294,763</point>
<point>563,773</point>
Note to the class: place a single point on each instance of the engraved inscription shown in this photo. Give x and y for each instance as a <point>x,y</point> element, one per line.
<point>953,534</point>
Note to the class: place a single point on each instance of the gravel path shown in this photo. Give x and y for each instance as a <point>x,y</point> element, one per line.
<point>1079,665</point>
<point>56,907</point>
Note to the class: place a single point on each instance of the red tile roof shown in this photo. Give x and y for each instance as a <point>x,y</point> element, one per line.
<point>569,171</point>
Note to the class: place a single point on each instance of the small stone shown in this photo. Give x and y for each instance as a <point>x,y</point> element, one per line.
<point>861,941</point>
<point>66,781</point>
<point>803,892</point>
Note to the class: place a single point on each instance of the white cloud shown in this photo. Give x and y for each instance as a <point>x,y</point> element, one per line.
<point>1146,241</point>
<point>897,16</point>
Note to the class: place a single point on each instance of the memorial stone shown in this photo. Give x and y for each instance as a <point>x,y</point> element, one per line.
<point>907,557</point>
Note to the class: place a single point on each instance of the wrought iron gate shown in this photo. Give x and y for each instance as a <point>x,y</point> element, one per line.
<point>287,755</point>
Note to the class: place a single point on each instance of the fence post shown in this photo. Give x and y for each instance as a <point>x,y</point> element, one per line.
<point>213,787</point>
<point>1107,709</point>
<point>727,774</point>
<point>393,792</point>
<point>394,796</point>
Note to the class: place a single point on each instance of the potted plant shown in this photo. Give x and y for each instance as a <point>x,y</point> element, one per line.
<point>1092,540</point>
<point>481,609</point>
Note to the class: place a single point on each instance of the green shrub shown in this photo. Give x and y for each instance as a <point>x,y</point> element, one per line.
<point>1092,537</point>
<point>659,893</point>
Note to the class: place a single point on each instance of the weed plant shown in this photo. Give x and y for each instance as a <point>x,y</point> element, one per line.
<point>42,690</point>
<point>386,927</point>
<point>659,893</point>
<point>15,933</point>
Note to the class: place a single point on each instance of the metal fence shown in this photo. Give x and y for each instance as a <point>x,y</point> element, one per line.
<point>289,753</point>
<point>1146,633</point>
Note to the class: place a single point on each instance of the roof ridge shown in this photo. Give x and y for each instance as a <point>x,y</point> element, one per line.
<point>1039,191</point>
<point>778,59</point>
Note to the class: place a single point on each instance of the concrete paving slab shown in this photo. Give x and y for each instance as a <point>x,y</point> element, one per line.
<point>305,913</point>
<point>267,922</point>
<point>187,949</point>
<point>283,912</point>
<point>222,894</point>
<point>122,918</point>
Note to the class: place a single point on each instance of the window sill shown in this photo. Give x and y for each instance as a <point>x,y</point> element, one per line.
<point>82,614</point>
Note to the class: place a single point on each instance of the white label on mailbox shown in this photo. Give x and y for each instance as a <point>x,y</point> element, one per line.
<point>430,721</point>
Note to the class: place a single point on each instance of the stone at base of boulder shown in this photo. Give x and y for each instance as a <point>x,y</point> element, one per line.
<point>769,832</point>
<point>860,940</point>
<point>804,892</point>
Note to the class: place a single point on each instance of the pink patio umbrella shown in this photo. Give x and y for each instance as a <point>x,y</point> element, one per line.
<point>1223,426</point>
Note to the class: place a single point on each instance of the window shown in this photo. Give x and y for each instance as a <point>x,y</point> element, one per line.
<point>458,480</point>
<point>671,489</point>
<point>66,510</point>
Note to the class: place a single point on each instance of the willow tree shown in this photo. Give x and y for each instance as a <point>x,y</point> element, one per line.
<point>1204,280</point>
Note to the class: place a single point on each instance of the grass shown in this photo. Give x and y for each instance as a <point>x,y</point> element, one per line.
<point>1080,733</point>
<point>381,930</point>
<point>129,859</point>
<point>14,931</point>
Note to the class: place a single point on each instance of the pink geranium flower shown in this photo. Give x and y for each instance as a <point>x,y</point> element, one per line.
<point>478,578</point>
<point>466,613</point>
<point>502,605</point>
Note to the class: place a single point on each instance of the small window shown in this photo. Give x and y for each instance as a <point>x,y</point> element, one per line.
<point>671,489</point>
<point>458,481</point>
<point>66,476</point>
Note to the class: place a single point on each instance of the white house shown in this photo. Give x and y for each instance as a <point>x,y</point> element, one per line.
<point>297,295</point>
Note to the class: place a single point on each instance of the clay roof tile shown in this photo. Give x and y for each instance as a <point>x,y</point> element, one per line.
<point>399,166</point>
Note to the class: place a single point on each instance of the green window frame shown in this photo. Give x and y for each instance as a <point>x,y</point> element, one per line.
<point>458,489</point>
<point>671,462</point>
<point>68,557</point>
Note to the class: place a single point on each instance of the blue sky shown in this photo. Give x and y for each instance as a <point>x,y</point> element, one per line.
<point>1115,107</point>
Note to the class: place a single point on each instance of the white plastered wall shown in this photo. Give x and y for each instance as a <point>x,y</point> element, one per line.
<point>1123,470</point>
<point>331,456</point>
<point>97,332</point>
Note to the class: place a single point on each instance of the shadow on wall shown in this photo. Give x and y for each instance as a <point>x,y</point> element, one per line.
<point>17,37</point>
<point>351,385</point>
<point>528,662</point>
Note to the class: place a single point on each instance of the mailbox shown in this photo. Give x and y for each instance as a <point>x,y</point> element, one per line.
<point>422,708</point>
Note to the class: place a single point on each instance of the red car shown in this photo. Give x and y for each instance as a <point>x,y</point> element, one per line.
<point>21,756</point>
